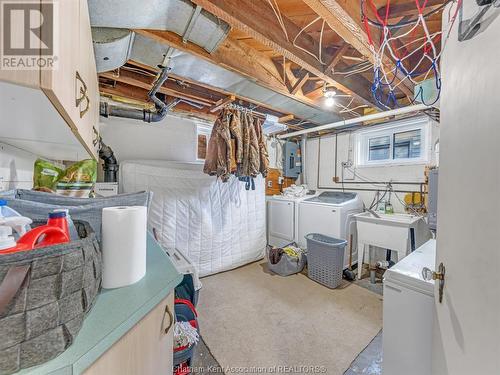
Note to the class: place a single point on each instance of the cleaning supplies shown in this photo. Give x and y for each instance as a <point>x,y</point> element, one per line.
<point>54,232</point>
<point>6,211</point>
<point>6,239</point>
<point>73,233</point>
<point>17,223</point>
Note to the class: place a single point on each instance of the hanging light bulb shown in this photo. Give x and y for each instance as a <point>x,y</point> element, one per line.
<point>330,101</point>
<point>329,93</point>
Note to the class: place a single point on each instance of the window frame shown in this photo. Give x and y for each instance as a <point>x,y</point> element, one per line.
<point>202,129</point>
<point>390,129</point>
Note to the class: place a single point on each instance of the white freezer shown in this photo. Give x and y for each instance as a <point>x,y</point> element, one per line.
<point>409,314</point>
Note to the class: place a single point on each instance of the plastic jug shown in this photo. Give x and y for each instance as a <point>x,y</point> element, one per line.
<point>6,211</point>
<point>54,232</point>
<point>73,233</point>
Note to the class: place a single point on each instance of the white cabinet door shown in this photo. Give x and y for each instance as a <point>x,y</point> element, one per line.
<point>281,222</point>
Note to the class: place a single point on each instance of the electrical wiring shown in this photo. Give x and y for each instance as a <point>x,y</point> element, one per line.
<point>279,16</point>
<point>321,39</point>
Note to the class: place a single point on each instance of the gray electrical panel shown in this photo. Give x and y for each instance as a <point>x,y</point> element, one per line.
<point>433,198</point>
<point>292,164</point>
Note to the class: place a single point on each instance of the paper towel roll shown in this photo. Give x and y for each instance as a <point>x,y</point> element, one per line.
<point>124,231</point>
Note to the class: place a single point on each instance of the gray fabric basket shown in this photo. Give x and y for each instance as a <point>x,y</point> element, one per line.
<point>287,265</point>
<point>325,259</point>
<point>37,205</point>
<point>45,295</point>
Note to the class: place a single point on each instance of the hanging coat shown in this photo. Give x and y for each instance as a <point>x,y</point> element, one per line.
<point>235,127</point>
<point>264,156</point>
<point>218,158</point>
<point>251,157</point>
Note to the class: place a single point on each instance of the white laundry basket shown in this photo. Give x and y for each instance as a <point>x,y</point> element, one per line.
<point>325,259</point>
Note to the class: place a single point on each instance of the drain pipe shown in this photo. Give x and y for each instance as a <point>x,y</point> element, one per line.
<point>110,163</point>
<point>162,108</point>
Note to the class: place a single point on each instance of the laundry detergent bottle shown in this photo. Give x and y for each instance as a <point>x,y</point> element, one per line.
<point>55,232</point>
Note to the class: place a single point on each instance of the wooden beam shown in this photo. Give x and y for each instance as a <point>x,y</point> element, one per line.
<point>408,8</point>
<point>169,87</point>
<point>286,118</point>
<point>336,58</point>
<point>257,19</point>
<point>343,17</point>
<point>221,103</point>
<point>304,76</point>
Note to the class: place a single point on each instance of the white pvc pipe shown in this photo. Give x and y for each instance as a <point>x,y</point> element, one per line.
<point>357,120</point>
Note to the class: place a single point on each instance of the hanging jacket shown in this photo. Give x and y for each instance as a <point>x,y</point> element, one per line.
<point>235,127</point>
<point>218,158</point>
<point>253,153</point>
<point>264,156</point>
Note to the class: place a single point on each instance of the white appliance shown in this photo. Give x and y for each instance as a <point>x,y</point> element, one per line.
<point>329,213</point>
<point>282,219</point>
<point>409,314</point>
<point>401,233</point>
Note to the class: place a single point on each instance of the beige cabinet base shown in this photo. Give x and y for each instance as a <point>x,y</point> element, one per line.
<point>146,349</point>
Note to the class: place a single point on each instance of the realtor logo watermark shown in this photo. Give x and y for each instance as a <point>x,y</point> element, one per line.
<point>28,34</point>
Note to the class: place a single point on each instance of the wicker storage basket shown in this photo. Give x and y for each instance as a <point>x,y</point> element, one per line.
<point>44,296</point>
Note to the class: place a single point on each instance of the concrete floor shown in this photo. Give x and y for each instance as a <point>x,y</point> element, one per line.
<point>368,362</point>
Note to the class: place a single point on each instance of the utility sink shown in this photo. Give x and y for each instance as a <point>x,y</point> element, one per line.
<point>400,220</point>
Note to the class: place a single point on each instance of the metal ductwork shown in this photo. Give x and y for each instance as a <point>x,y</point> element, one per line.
<point>112,20</point>
<point>115,44</point>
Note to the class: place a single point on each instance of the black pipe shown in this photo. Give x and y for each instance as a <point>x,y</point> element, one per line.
<point>110,163</point>
<point>162,108</point>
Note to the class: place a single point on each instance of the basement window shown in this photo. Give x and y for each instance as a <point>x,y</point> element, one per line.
<point>402,142</point>
<point>202,136</point>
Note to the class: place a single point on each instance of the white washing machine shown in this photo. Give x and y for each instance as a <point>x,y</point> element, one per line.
<point>282,219</point>
<point>409,314</point>
<point>329,213</point>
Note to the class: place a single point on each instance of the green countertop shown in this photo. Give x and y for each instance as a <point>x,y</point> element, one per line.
<point>116,311</point>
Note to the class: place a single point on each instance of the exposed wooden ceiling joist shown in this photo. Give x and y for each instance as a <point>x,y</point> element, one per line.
<point>222,103</point>
<point>343,16</point>
<point>258,20</point>
<point>169,88</point>
<point>336,57</point>
<point>304,76</point>
<point>134,80</point>
<point>236,57</point>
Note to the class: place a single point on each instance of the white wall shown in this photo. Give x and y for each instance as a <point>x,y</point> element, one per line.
<point>16,168</point>
<point>467,328</point>
<point>404,178</point>
<point>172,139</point>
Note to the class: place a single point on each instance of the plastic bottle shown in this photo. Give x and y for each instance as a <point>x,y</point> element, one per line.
<point>73,233</point>
<point>6,238</point>
<point>6,211</point>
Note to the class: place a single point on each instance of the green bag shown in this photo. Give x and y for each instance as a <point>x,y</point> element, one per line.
<point>46,175</point>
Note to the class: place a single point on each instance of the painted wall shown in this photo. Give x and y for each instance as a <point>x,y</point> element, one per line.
<point>172,139</point>
<point>467,329</point>
<point>321,154</point>
<point>16,168</point>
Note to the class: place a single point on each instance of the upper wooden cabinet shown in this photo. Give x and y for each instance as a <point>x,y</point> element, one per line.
<point>72,85</point>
